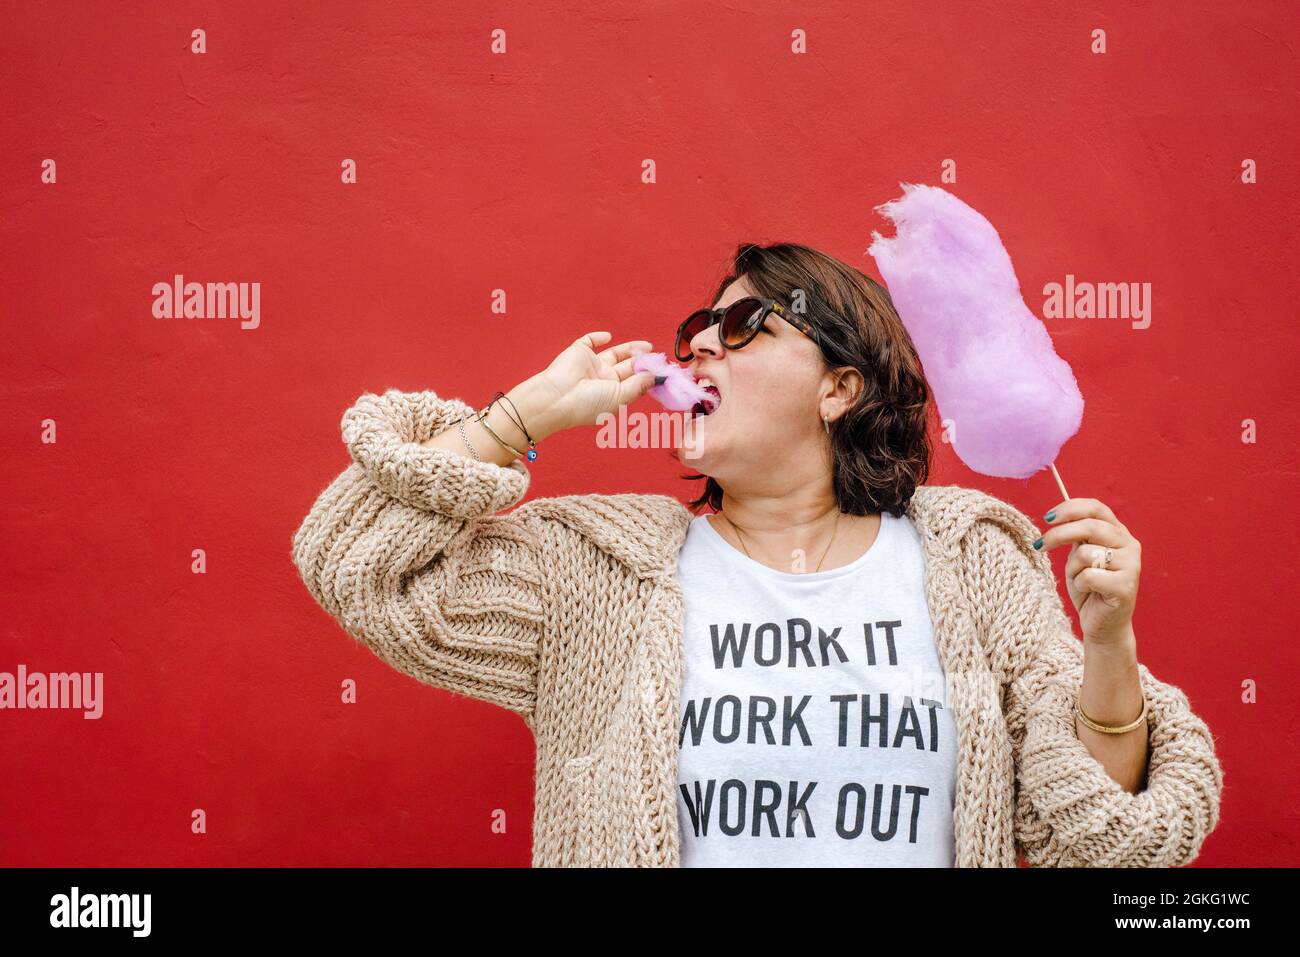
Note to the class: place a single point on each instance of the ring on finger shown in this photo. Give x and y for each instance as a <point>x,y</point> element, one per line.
<point>1103,557</point>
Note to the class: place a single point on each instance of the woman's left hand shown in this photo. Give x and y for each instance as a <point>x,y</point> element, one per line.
<point>1104,593</point>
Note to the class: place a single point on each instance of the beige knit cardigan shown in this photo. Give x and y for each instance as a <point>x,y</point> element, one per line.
<point>567,611</point>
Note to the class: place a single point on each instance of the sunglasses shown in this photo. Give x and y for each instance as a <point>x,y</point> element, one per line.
<point>738,324</point>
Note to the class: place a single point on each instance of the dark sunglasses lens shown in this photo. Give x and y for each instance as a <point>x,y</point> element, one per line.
<point>738,324</point>
<point>695,324</point>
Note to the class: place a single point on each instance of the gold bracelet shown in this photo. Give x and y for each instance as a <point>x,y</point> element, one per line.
<point>482,420</point>
<point>1108,729</point>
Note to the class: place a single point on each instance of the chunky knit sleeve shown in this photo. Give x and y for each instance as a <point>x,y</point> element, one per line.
<point>1068,811</point>
<point>405,549</point>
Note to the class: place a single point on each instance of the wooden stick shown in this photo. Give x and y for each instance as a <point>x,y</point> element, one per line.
<point>1059,484</point>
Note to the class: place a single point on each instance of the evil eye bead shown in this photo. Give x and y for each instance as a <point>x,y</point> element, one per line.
<point>532,455</point>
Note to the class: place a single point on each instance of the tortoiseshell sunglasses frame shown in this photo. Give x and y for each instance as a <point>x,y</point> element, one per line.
<point>715,316</point>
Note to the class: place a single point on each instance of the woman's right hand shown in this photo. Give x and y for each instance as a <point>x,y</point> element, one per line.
<point>582,383</point>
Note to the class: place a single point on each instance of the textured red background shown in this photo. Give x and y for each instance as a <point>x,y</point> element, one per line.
<point>522,172</point>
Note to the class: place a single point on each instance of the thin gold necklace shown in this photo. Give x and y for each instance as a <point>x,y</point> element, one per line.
<point>824,554</point>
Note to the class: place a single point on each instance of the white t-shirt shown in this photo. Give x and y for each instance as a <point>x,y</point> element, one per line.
<point>815,729</point>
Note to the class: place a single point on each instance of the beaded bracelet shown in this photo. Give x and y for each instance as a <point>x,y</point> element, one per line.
<point>460,424</point>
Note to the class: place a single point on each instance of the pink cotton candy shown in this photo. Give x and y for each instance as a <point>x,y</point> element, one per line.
<point>678,390</point>
<point>1012,401</point>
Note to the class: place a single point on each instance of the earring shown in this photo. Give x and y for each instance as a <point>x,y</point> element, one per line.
<point>826,424</point>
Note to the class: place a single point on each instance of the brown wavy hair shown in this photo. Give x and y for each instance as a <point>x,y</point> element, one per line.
<point>881,445</point>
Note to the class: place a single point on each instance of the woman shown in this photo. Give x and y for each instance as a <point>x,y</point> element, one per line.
<point>838,666</point>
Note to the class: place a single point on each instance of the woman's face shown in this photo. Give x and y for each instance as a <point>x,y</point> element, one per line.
<point>768,419</point>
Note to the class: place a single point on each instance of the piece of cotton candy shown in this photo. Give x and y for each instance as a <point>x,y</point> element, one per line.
<point>1011,400</point>
<point>679,390</point>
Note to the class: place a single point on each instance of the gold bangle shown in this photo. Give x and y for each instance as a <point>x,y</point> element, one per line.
<point>1109,729</point>
<point>482,420</point>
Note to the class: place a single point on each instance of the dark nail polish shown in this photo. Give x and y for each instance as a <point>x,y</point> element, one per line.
<point>1038,543</point>
<point>660,379</point>
<point>1049,516</point>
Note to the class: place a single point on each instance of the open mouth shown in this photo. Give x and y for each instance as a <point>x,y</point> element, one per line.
<point>711,404</point>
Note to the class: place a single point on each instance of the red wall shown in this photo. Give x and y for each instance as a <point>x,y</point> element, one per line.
<point>522,171</point>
